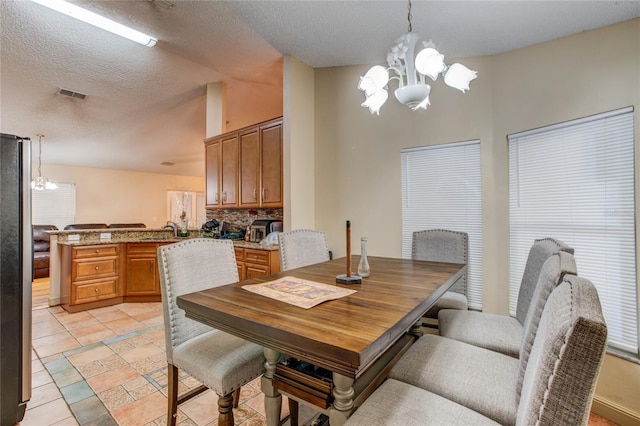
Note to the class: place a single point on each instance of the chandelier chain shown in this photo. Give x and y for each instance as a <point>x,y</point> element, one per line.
<point>409,16</point>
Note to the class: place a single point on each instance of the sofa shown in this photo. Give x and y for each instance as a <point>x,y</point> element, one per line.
<point>41,250</point>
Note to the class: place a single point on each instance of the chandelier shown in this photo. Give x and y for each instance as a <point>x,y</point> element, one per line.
<point>410,70</point>
<point>39,183</point>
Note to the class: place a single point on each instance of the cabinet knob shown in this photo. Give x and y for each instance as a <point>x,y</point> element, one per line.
<point>97,251</point>
<point>264,193</point>
<point>97,290</point>
<point>97,268</point>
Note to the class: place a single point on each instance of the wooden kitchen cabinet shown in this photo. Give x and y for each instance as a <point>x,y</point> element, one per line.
<point>142,280</point>
<point>254,263</point>
<point>90,276</point>
<point>251,179</point>
<point>261,165</point>
<point>221,164</point>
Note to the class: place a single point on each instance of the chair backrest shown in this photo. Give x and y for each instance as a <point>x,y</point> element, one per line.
<point>185,267</point>
<point>86,226</point>
<point>127,225</point>
<point>566,357</point>
<point>540,251</point>
<point>302,247</point>
<point>41,238</point>
<point>442,245</point>
<point>552,273</point>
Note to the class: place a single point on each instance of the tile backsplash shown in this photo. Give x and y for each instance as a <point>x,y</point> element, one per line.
<point>241,218</point>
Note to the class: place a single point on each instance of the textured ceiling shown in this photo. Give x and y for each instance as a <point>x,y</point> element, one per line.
<point>147,105</point>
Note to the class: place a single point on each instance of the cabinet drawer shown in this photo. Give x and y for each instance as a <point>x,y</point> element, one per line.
<point>95,251</point>
<point>92,291</point>
<point>254,271</point>
<point>145,249</point>
<point>239,254</point>
<point>92,269</point>
<point>260,257</point>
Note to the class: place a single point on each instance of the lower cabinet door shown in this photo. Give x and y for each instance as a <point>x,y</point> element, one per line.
<point>142,276</point>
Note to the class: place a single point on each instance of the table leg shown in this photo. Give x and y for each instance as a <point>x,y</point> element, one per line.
<point>342,400</point>
<point>416,329</point>
<point>272,397</point>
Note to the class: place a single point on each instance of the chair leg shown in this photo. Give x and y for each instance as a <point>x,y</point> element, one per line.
<point>293,412</point>
<point>225,410</point>
<point>236,398</point>
<point>172,395</point>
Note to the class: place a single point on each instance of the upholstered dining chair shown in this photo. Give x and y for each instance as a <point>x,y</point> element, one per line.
<point>302,247</point>
<point>442,245</point>
<point>220,361</point>
<point>555,386</point>
<point>504,333</point>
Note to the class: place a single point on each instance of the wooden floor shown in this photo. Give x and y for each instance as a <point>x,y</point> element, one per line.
<point>40,293</point>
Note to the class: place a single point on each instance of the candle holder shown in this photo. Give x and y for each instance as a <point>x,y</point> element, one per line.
<point>348,278</point>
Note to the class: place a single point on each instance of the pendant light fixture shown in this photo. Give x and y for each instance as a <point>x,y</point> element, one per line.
<point>410,70</point>
<point>39,183</point>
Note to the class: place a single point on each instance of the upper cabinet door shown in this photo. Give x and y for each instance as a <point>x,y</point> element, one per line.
<point>212,167</point>
<point>250,169</point>
<point>229,184</point>
<point>271,165</point>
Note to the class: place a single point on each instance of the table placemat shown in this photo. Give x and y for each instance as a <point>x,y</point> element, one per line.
<point>298,292</point>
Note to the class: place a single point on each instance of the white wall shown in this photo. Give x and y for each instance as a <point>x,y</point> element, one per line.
<point>357,155</point>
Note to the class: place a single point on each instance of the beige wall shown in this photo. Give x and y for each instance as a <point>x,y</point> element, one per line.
<point>298,144</point>
<point>118,196</point>
<point>357,155</point>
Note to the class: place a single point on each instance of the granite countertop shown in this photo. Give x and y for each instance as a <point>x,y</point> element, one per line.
<point>84,237</point>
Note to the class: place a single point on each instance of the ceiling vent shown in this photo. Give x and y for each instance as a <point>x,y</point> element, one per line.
<point>162,3</point>
<point>71,94</point>
<point>167,163</point>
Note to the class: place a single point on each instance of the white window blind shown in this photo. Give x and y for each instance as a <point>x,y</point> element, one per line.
<point>441,189</point>
<point>54,207</point>
<point>575,181</point>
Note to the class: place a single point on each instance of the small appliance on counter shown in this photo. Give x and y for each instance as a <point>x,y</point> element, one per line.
<point>260,228</point>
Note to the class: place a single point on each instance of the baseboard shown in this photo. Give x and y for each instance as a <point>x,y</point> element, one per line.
<point>614,412</point>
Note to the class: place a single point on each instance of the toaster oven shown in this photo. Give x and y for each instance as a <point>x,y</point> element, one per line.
<point>260,228</point>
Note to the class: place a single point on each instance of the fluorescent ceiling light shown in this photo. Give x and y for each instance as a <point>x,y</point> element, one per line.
<point>98,21</point>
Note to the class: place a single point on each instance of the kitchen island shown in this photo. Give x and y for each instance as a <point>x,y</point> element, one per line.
<point>100,267</point>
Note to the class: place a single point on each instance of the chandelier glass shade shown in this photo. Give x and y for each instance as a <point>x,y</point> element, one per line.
<point>40,183</point>
<point>411,71</point>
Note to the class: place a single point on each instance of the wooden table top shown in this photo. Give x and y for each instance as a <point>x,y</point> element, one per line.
<point>344,335</point>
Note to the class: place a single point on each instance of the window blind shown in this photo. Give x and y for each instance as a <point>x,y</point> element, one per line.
<point>54,207</point>
<point>441,189</point>
<point>575,181</point>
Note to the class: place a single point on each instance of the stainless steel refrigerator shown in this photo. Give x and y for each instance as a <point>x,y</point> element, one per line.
<point>16,248</point>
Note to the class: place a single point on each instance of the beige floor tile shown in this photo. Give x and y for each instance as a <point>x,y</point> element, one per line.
<point>96,337</point>
<point>93,328</point>
<point>111,315</point>
<point>86,357</point>
<point>43,394</point>
<point>56,344</point>
<point>110,379</point>
<point>47,414</point>
<point>40,378</point>
<point>46,328</point>
<point>142,411</point>
<point>115,398</point>
<point>141,353</point>
<point>203,409</point>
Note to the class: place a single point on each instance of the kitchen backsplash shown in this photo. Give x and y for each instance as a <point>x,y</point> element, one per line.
<point>241,218</point>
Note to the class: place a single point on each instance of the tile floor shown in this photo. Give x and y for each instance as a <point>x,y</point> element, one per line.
<point>107,367</point>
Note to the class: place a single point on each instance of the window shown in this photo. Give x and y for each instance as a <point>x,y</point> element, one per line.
<point>54,207</point>
<point>441,189</point>
<point>575,181</point>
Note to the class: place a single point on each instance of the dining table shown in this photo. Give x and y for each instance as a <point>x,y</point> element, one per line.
<point>333,355</point>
